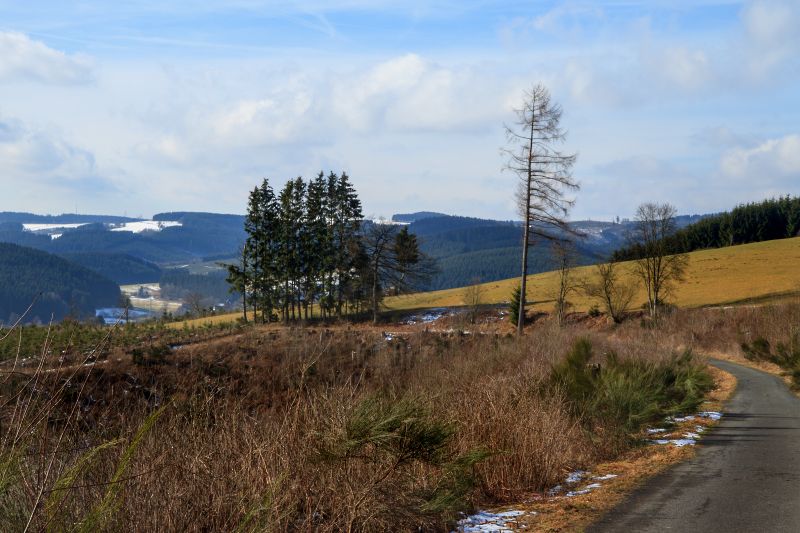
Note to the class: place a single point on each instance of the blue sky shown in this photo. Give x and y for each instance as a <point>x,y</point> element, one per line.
<point>140,107</point>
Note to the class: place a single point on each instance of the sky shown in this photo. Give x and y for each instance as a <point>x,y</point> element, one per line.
<point>139,107</point>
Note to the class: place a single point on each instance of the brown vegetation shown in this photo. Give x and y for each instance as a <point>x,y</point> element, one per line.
<point>330,429</point>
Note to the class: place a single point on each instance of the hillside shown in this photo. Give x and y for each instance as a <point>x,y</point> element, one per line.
<point>469,249</point>
<point>776,218</point>
<point>65,288</point>
<point>750,272</point>
<point>122,269</point>
<point>170,238</point>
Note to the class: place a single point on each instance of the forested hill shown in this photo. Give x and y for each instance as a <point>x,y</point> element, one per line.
<point>123,269</point>
<point>66,218</point>
<point>471,249</point>
<point>404,218</point>
<point>187,238</point>
<point>64,288</point>
<point>754,222</point>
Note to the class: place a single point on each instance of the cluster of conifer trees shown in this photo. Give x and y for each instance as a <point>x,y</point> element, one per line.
<point>755,222</point>
<point>309,250</point>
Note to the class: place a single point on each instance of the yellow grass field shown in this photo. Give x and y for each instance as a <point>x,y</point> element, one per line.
<point>749,272</point>
<point>756,272</point>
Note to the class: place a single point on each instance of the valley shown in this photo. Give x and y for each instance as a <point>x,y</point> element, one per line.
<point>423,267</point>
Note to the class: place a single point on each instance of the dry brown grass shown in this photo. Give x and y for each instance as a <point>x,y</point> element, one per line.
<point>238,445</point>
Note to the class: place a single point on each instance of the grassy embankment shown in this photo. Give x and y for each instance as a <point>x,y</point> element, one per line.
<point>749,273</point>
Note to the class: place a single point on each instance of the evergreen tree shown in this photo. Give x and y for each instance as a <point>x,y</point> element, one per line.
<point>316,238</point>
<point>291,215</point>
<point>258,266</point>
<point>347,216</point>
<point>306,247</point>
<point>513,311</point>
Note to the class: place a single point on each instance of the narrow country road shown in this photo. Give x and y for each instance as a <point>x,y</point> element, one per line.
<point>745,476</point>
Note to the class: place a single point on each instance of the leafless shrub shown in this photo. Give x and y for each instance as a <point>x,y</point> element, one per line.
<point>613,293</point>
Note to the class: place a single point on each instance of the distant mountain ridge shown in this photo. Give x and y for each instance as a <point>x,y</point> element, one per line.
<point>66,218</point>
<point>413,217</point>
<point>466,248</point>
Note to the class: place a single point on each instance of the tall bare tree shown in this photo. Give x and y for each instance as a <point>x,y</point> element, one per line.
<point>544,172</point>
<point>657,268</point>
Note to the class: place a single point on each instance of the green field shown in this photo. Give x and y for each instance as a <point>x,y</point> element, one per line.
<point>749,273</point>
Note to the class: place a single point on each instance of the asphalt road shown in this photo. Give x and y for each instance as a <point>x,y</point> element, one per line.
<point>745,476</point>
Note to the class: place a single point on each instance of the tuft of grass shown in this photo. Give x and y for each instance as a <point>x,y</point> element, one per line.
<point>391,436</point>
<point>621,395</point>
<point>786,355</point>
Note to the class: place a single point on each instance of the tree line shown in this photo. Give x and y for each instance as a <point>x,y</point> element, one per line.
<point>755,222</point>
<point>309,250</point>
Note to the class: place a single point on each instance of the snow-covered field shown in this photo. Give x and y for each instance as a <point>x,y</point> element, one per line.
<point>56,230</point>
<point>48,227</point>
<point>146,225</point>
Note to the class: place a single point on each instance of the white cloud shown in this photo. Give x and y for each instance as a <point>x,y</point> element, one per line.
<point>405,94</point>
<point>772,41</point>
<point>771,22</point>
<point>410,93</point>
<point>270,120</point>
<point>565,17</point>
<point>23,58</point>
<point>686,68</point>
<point>35,155</point>
<point>774,160</point>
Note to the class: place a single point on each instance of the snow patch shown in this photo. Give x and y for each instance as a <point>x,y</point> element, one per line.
<point>575,477</point>
<point>585,490</point>
<point>54,236</point>
<point>48,227</point>
<point>431,316</point>
<point>488,521</point>
<point>656,430</point>
<point>386,222</point>
<point>679,419</point>
<point>146,225</point>
<point>605,477</point>
<point>676,442</point>
<point>711,415</point>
